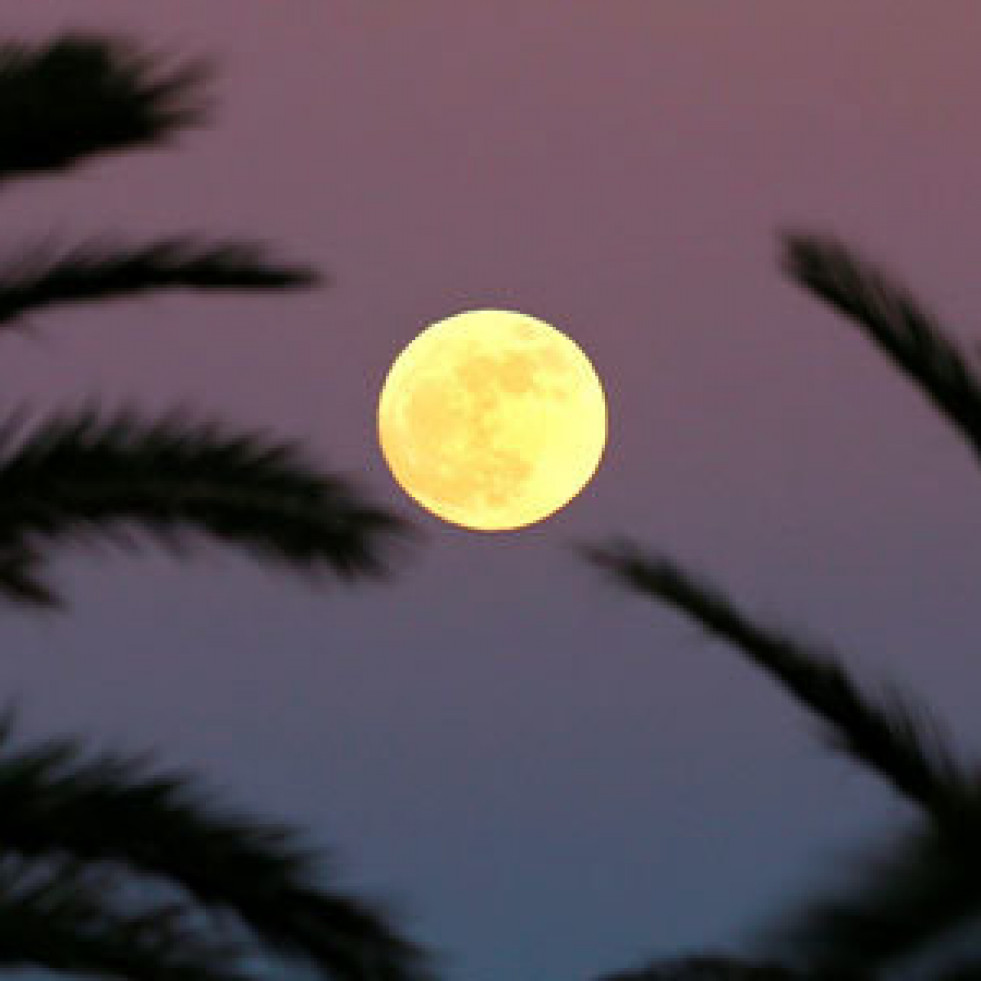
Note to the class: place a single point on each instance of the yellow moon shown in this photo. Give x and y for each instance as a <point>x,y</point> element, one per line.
<point>492,419</point>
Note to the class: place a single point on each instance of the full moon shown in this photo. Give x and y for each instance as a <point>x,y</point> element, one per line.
<point>492,419</point>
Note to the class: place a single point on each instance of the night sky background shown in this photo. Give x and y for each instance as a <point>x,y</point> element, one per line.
<point>548,777</point>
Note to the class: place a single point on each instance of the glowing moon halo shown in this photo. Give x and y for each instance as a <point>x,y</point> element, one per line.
<point>492,419</point>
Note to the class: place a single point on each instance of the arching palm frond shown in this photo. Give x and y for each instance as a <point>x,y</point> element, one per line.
<point>43,278</point>
<point>81,476</point>
<point>58,918</point>
<point>86,842</point>
<point>964,971</point>
<point>111,809</point>
<point>899,742</point>
<point>910,895</point>
<point>78,96</point>
<point>19,577</point>
<point>917,891</point>
<point>708,967</point>
<point>896,322</point>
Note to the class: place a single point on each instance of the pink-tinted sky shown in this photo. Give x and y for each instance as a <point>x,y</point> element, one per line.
<point>551,778</point>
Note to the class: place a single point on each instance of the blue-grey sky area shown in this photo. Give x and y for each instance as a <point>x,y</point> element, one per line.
<point>549,778</point>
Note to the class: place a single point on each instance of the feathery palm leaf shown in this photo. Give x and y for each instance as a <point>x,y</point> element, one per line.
<point>932,883</point>
<point>58,918</point>
<point>962,972</point>
<point>78,96</point>
<point>895,321</point>
<point>894,739</point>
<point>924,886</point>
<point>707,967</point>
<point>65,819</point>
<point>80,475</point>
<point>929,883</point>
<point>54,801</point>
<point>19,579</point>
<point>102,272</point>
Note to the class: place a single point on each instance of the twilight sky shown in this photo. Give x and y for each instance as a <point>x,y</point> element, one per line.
<point>550,778</point>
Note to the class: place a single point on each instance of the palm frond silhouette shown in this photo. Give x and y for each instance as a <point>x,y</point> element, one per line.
<point>58,917</point>
<point>81,475</point>
<point>80,96</point>
<point>81,472</point>
<point>111,866</point>
<point>967,971</point>
<point>126,812</point>
<point>710,968</point>
<point>43,277</point>
<point>895,321</point>
<point>896,739</point>
<point>929,881</point>
<point>905,896</point>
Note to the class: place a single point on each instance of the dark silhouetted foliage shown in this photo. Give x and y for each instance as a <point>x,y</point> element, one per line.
<point>110,866</point>
<point>61,917</point>
<point>889,315</point>
<point>897,740</point>
<point>79,96</point>
<point>122,812</point>
<point>716,968</point>
<point>927,882</point>
<point>40,278</point>
<point>81,476</point>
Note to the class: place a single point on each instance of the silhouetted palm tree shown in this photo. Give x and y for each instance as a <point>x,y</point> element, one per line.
<point>928,881</point>
<point>112,866</point>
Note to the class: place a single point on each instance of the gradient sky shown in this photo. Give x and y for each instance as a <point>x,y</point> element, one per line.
<point>549,777</point>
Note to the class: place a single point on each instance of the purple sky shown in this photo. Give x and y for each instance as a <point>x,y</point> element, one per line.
<point>551,778</point>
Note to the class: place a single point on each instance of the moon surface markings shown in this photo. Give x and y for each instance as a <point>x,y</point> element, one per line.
<point>492,419</point>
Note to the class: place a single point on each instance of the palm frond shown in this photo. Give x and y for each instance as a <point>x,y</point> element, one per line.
<point>719,967</point>
<point>20,577</point>
<point>42,278</point>
<point>82,476</point>
<point>80,95</point>
<point>964,971</point>
<point>895,322</point>
<point>908,897</point>
<point>896,740</point>
<point>57,918</point>
<point>55,801</point>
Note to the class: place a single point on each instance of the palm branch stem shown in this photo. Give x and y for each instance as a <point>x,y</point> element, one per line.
<point>95,272</point>
<point>895,740</point>
<point>896,322</point>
